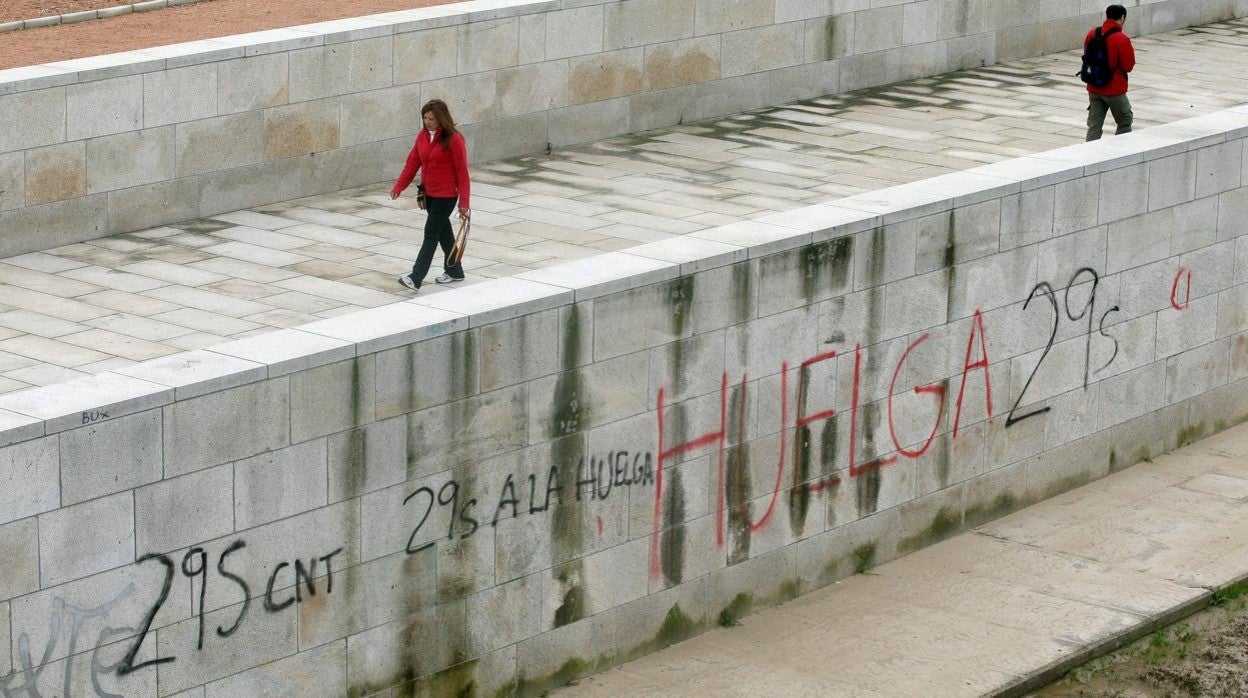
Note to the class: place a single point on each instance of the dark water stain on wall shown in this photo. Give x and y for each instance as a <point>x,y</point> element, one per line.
<point>737,481</point>
<point>567,526</point>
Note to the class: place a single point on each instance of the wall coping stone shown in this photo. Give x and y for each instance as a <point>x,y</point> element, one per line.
<point>63,406</point>
<point>195,373</point>
<point>498,299</point>
<point>389,326</point>
<point>603,274</point>
<point>288,351</point>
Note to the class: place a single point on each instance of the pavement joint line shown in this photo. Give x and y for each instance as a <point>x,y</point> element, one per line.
<point>87,15</point>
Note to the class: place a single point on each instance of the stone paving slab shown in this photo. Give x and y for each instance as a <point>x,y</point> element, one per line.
<point>85,308</point>
<point>999,610</point>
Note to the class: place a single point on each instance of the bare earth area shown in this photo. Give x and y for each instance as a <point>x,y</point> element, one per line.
<point>1205,655</point>
<point>172,25</point>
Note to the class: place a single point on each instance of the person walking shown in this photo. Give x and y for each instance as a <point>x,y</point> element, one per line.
<point>1120,56</point>
<point>441,152</point>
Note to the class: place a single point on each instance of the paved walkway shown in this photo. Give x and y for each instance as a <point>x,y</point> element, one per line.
<point>90,307</point>
<point>1025,597</point>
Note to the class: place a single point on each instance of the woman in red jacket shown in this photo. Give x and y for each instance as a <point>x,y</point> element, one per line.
<point>440,150</point>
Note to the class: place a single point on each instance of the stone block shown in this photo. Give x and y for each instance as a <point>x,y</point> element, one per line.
<point>827,37</point>
<point>596,394</point>
<point>488,45</point>
<point>1063,469</point>
<point>588,122</point>
<point>110,456</point>
<point>12,181</point>
<point>1215,266</point>
<point>1197,371</point>
<point>805,81</point>
<point>878,29</point>
<point>1132,394</point>
<point>1194,225</point>
<point>650,110</point>
<point>1124,193</point>
<point>427,373</point>
<point>992,281</point>
<point>300,129</point>
<point>750,348</point>
<point>221,143</point>
<point>1080,199</point>
<point>1171,181</point>
<point>466,565</point>
<point>1232,311</point>
<point>574,32</point>
<point>471,98</point>
<point>233,190</point>
<point>532,88</point>
<point>339,69</point>
<point>914,304</point>
<point>177,512</point>
<point>56,173</point>
<point>392,112</point>
<point>260,639</point>
<point>637,319</point>
<point>974,232</point>
<point>19,546</point>
<point>41,114</point>
<point>368,458</point>
<point>226,426</point>
<point>181,94</point>
<point>332,398</point>
<point>645,22</point>
<point>419,644</point>
<point>1197,324</point>
<point>255,82</point>
<point>519,350</point>
<point>505,614</point>
<point>687,367</point>
<point>130,159</point>
<point>153,204</point>
<point>605,75</point>
<point>350,167</point>
<point>429,54</point>
<point>974,51</point>
<point>468,430</point>
<point>102,107</point>
<point>733,95</point>
<point>531,43</point>
<point>683,62</point>
<point>1219,169</point>
<point>381,591</point>
<point>1027,217</point>
<point>885,254</point>
<point>280,483</point>
<point>722,16</point>
<point>599,582</point>
<point>83,539</point>
<point>30,475</point>
<point>1059,258</point>
<point>761,49</point>
<point>316,673</point>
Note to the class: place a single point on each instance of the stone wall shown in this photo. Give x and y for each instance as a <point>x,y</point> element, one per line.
<point>494,490</point>
<point>127,141</point>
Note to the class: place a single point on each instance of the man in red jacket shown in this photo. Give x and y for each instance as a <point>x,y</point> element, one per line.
<point>1113,96</point>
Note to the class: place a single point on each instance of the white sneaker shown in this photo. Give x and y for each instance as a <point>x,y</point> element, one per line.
<point>448,279</point>
<point>406,280</point>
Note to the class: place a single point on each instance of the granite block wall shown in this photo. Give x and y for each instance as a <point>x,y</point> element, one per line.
<point>123,142</point>
<point>499,489</point>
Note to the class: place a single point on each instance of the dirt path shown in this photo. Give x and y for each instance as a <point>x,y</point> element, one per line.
<point>1205,655</point>
<point>171,25</point>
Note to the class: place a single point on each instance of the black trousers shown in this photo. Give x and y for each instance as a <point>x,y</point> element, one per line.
<point>437,232</point>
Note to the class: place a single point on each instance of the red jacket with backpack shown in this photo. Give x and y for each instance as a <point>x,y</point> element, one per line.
<point>1121,59</point>
<point>446,172</point>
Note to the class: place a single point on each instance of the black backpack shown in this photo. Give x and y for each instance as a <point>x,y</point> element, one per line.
<point>1096,70</point>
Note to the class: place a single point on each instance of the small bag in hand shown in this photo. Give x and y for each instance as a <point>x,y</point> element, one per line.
<point>461,242</point>
<point>422,199</point>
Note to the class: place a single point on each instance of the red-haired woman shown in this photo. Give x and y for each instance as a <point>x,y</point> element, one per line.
<point>440,150</point>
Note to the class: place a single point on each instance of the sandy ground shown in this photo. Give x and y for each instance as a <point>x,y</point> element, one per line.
<point>1205,655</point>
<point>171,25</point>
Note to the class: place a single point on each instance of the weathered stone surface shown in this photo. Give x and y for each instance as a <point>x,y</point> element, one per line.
<point>152,204</point>
<point>55,173</point>
<point>605,75</point>
<point>256,82</point>
<point>380,114</point>
<point>30,474</point>
<point>338,69</point>
<point>489,45</point>
<point>221,143</point>
<point>573,32</point>
<point>182,94</point>
<point>19,544</point>
<point>299,129</point>
<point>42,115</point>
<point>428,54</point>
<point>681,63</point>
<point>177,512</point>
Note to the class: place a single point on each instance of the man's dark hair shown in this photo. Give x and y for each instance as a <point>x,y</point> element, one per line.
<point>1116,12</point>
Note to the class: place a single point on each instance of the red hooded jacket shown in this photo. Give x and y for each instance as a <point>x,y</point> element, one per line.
<point>1121,60</point>
<point>446,173</point>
